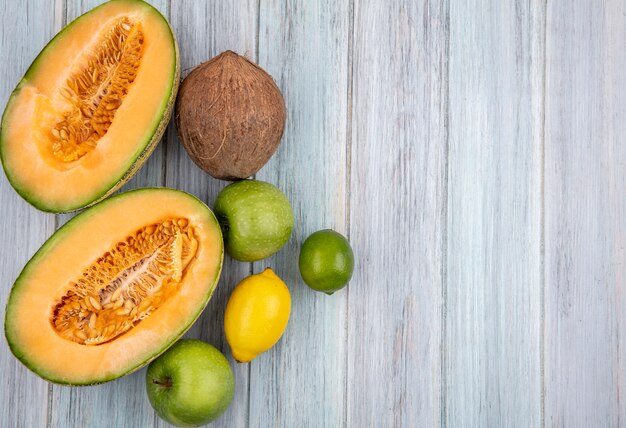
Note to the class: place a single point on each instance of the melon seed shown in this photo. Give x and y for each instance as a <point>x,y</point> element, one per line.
<point>92,321</point>
<point>94,93</point>
<point>95,303</point>
<point>122,312</point>
<point>80,334</point>
<point>116,294</point>
<point>94,309</point>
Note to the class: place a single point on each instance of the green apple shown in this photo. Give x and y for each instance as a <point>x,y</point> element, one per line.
<point>256,219</point>
<point>191,384</point>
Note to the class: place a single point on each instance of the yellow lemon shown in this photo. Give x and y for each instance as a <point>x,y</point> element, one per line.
<point>256,315</point>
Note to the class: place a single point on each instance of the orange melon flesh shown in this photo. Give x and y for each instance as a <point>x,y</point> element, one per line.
<point>63,259</point>
<point>56,185</point>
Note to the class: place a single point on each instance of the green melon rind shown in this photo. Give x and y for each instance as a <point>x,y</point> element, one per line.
<point>143,151</point>
<point>69,227</point>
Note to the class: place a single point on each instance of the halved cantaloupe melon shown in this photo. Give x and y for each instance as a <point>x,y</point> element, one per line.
<point>115,286</point>
<point>91,107</point>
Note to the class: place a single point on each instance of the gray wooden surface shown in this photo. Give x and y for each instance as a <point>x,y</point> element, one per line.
<point>475,154</point>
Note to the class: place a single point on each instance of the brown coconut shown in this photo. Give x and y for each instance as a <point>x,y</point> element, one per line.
<point>230,116</point>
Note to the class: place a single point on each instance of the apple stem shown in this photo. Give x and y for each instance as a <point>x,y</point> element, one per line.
<point>167,383</point>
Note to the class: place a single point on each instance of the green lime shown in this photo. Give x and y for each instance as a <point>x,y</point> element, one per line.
<point>326,261</point>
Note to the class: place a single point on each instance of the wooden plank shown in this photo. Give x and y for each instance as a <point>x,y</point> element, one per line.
<point>122,403</point>
<point>204,29</point>
<point>493,287</point>
<point>26,28</point>
<point>304,46</point>
<point>397,207</point>
<point>585,212</point>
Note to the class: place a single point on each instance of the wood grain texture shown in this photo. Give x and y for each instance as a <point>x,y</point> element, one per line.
<point>585,214</point>
<point>304,46</point>
<point>473,152</point>
<point>397,195</point>
<point>24,229</point>
<point>122,403</point>
<point>205,29</point>
<point>493,288</point>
